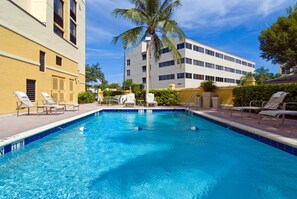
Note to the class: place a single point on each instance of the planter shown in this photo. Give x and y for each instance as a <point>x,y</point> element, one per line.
<point>206,96</point>
<point>215,102</point>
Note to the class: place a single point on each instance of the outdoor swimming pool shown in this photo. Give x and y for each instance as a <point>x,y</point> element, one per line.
<point>104,156</point>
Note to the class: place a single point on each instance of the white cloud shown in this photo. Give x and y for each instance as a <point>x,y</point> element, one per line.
<point>218,13</point>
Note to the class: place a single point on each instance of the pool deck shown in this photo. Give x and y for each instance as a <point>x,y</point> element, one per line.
<point>12,126</point>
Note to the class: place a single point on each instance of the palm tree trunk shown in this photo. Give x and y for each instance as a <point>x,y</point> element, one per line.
<point>148,42</point>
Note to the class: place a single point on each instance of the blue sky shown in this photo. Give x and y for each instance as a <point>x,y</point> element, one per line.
<point>230,25</point>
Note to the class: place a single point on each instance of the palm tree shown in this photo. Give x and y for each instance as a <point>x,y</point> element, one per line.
<point>243,79</point>
<point>153,23</point>
<point>262,74</point>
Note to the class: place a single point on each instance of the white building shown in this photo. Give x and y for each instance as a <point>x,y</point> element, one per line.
<point>199,63</point>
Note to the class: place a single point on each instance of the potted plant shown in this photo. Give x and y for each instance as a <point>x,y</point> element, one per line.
<point>208,88</point>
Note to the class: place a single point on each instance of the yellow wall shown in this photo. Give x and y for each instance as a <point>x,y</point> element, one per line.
<point>16,67</point>
<point>224,93</point>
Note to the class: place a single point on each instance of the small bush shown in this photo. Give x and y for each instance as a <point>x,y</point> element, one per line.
<point>208,86</point>
<point>112,93</point>
<point>165,97</point>
<point>85,97</point>
<point>243,95</point>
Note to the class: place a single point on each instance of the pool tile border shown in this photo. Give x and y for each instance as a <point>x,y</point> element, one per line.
<point>18,141</point>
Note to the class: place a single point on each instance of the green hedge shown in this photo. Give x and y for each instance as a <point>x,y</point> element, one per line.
<point>165,97</point>
<point>243,95</point>
<point>112,93</point>
<point>85,97</point>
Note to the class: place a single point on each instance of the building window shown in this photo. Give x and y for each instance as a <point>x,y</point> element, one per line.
<point>128,72</point>
<point>243,72</point>
<point>229,80</point>
<point>164,50</point>
<point>31,89</point>
<point>219,79</point>
<point>143,68</point>
<point>209,52</point>
<point>198,63</point>
<point>189,75</point>
<point>189,46</point>
<point>238,71</point>
<point>166,77</point>
<point>226,57</point>
<point>58,12</point>
<point>73,9</point>
<point>128,62</point>
<point>209,65</point>
<point>180,46</point>
<point>250,65</point>
<point>188,61</point>
<point>58,61</point>
<point>237,81</point>
<point>199,49</point>
<point>232,70</point>
<point>180,75</point>
<point>58,31</point>
<point>218,67</point>
<point>219,55</point>
<point>143,56</point>
<point>144,80</point>
<point>244,63</point>
<point>42,61</point>
<point>72,32</point>
<point>166,63</point>
<point>238,61</point>
<point>182,60</point>
<point>198,76</point>
<point>209,78</point>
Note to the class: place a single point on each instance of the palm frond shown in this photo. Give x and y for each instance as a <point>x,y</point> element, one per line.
<point>129,37</point>
<point>140,4</point>
<point>157,45</point>
<point>172,48</point>
<point>170,27</point>
<point>166,12</point>
<point>152,7</point>
<point>135,15</point>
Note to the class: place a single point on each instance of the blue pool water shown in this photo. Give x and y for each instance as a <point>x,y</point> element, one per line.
<point>166,159</point>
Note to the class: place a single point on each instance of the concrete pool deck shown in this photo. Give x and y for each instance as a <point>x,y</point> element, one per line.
<point>11,125</point>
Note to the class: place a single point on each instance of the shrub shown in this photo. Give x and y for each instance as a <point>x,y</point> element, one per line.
<point>85,97</point>
<point>243,95</point>
<point>208,86</point>
<point>112,93</point>
<point>165,97</point>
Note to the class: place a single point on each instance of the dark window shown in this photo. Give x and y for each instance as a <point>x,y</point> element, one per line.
<point>58,12</point>
<point>144,80</point>
<point>31,89</point>
<point>199,49</point>
<point>143,68</point>
<point>198,63</point>
<point>182,60</point>
<point>128,72</point>
<point>188,61</point>
<point>244,63</point>
<point>58,61</point>
<point>232,70</point>
<point>219,55</point>
<point>250,65</point>
<point>73,9</point>
<point>189,46</point>
<point>238,81</point>
<point>243,72</point>
<point>238,61</point>
<point>72,32</point>
<point>219,79</point>
<point>166,63</point>
<point>143,56</point>
<point>209,65</point>
<point>209,52</point>
<point>226,57</point>
<point>218,67</point>
<point>58,31</point>
<point>166,77</point>
<point>198,76</point>
<point>209,78</point>
<point>180,46</point>
<point>128,62</point>
<point>189,75</point>
<point>164,50</point>
<point>180,75</point>
<point>238,71</point>
<point>229,80</point>
<point>42,61</point>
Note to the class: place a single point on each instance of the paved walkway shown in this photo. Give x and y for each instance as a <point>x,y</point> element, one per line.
<point>11,125</point>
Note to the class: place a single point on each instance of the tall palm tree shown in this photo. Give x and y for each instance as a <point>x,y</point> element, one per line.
<point>152,18</point>
<point>262,74</point>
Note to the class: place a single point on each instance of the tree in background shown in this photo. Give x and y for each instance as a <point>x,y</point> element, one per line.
<point>243,79</point>
<point>127,84</point>
<point>114,85</point>
<point>262,75</point>
<point>94,74</point>
<point>278,43</point>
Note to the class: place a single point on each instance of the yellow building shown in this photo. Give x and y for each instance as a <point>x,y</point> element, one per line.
<point>42,49</point>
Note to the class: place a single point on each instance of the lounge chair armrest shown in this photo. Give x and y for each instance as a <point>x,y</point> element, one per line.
<point>263,103</point>
<point>288,103</point>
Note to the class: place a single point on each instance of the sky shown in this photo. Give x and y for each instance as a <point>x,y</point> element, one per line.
<point>229,25</point>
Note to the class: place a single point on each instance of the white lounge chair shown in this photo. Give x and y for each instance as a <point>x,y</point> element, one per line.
<point>276,114</point>
<point>150,99</point>
<point>49,101</point>
<point>274,103</point>
<point>25,102</point>
<point>130,101</point>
